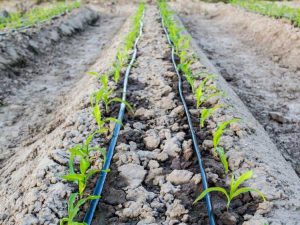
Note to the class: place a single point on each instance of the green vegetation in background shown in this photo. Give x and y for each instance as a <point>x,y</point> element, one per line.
<point>36,15</point>
<point>270,9</point>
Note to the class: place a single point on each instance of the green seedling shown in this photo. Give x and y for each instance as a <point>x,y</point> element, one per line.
<point>184,45</point>
<point>131,37</point>
<point>36,15</point>
<point>104,94</point>
<point>200,94</point>
<point>97,114</point>
<point>234,189</point>
<point>223,158</point>
<point>206,113</point>
<point>82,153</point>
<point>83,150</point>
<point>103,78</point>
<point>185,68</point>
<point>82,177</point>
<point>220,130</point>
<point>121,60</point>
<point>73,209</point>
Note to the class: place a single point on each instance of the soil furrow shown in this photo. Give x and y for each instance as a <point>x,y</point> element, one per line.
<point>269,89</point>
<point>144,185</point>
<point>47,80</point>
<point>154,177</point>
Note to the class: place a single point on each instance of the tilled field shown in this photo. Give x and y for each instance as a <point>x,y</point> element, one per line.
<point>259,62</point>
<point>154,155</point>
<point>36,81</point>
<point>154,177</point>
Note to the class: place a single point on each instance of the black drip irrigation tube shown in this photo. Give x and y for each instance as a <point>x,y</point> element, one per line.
<point>194,138</point>
<point>110,152</point>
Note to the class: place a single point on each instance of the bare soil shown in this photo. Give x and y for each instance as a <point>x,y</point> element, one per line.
<point>267,83</point>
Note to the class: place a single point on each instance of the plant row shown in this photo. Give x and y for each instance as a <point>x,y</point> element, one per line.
<point>271,9</point>
<point>82,157</point>
<point>36,15</point>
<point>203,88</point>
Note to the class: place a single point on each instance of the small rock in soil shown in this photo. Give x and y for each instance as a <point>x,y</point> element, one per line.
<point>179,176</point>
<point>133,173</point>
<point>152,139</point>
<point>278,117</point>
<point>228,219</point>
<point>172,147</point>
<point>176,210</point>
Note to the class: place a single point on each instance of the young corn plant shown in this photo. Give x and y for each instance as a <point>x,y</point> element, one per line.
<point>97,113</point>
<point>73,209</point>
<point>83,150</point>
<point>234,189</point>
<point>220,130</point>
<point>200,93</point>
<point>130,39</point>
<point>82,177</point>
<point>206,113</point>
<point>184,46</point>
<point>120,61</point>
<point>103,94</point>
<point>185,69</point>
<point>223,159</point>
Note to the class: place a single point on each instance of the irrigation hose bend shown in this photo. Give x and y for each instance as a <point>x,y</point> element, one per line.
<point>194,139</point>
<point>110,152</point>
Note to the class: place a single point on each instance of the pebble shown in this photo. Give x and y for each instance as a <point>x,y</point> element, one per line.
<point>177,112</point>
<point>256,221</point>
<point>179,177</point>
<point>264,207</point>
<point>207,144</point>
<point>176,210</point>
<point>153,164</point>
<point>162,156</point>
<point>196,178</point>
<point>152,139</point>
<point>165,134</point>
<point>144,113</point>
<point>228,219</point>
<point>172,147</point>
<point>187,149</point>
<point>139,126</point>
<point>278,117</point>
<point>133,173</point>
<point>235,158</point>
